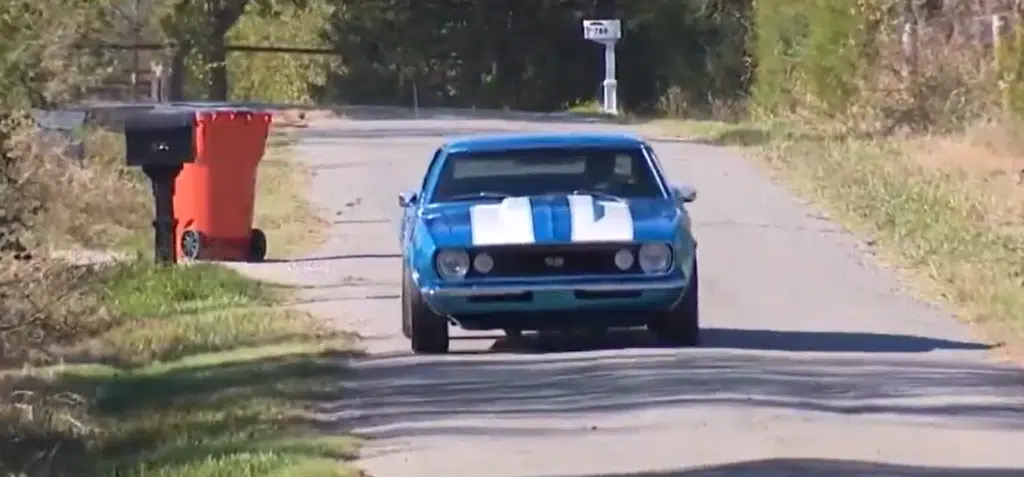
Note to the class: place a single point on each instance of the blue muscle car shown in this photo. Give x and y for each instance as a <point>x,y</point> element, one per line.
<point>538,231</point>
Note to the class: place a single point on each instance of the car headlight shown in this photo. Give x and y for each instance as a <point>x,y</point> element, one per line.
<point>452,263</point>
<point>654,257</point>
<point>483,262</point>
<point>624,259</point>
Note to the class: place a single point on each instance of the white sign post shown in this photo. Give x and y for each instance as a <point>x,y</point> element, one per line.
<point>607,33</point>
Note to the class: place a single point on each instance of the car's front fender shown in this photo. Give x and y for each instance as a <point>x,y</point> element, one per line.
<point>419,254</point>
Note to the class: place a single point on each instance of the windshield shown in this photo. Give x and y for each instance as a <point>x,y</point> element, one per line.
<point>623,173</point>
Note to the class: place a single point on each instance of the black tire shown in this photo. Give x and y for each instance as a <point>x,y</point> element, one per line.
<point>427,331</point>
<point>192,244</point>
<point>680,325</point>
<point>257,246</point>
<point>513,333</point>
<point>595,333</point>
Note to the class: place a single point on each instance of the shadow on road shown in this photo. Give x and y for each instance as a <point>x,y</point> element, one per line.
<point>732,338</point>
<point>334,257</point>
<point>820,468</point>
<point>407,396</point>
<point>311,136</point>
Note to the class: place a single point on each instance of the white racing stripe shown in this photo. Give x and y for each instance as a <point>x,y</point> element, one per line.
<point>509,222</point>
<point>615,225</point>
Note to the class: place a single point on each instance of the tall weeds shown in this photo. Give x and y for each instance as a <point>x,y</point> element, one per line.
<point>845,65</point>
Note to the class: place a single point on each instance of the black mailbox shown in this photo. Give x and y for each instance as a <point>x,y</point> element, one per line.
<point>160,138</point>
<point>161,142</point>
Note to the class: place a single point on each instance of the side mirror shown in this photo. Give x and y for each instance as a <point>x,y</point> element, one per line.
<point>684,194</point>
<point>405,199</point>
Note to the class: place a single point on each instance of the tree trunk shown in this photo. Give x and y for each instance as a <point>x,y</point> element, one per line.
<point>225,15</point>
<point>218,67</point>
<point>176,89</point>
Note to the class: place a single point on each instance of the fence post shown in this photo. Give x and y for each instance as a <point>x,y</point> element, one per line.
<point>909,41</point>
<point>158,82</point>
<point>999,61</point>
<point>996,22</point>
<point>155,72</point>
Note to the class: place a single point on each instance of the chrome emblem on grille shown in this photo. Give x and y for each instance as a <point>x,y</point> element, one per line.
<point>555,262</point>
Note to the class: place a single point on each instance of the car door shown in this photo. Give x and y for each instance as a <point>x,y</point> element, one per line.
<point>411,210</point>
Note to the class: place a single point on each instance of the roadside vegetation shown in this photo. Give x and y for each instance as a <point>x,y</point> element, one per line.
<point>109,364</point>
<point>916,146</point>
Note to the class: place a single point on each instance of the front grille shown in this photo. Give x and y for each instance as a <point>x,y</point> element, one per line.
<point>555,260</point>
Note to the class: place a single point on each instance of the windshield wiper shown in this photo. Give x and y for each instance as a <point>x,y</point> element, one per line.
<point>597,193</point>
<point>479,195</point>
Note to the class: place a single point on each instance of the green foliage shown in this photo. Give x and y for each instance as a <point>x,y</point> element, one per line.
<point>37,69</point>
<point>276,77</point>
<point>680,57</point>
<point>531,54</point>
<point>811,54</point>
<point>199,32</point>
<point>36,66</point>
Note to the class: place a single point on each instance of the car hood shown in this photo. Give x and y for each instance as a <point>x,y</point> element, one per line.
<point>550,220</point>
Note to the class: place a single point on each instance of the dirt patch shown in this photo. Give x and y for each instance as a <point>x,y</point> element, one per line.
<point>292,224</point>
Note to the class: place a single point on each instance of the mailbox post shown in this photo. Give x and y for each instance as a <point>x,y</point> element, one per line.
<point>607,33</point>
<point>161,142</point>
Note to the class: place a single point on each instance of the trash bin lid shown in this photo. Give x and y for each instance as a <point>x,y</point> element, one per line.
<point>160,119</point>
<point>200,106</point>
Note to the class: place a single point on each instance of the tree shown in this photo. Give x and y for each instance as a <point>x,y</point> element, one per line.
<point>201,27</point>
<point>530,54</point>
<point>38,69</point>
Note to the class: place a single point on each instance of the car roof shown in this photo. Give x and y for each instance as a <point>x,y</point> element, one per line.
<point>513,141</point>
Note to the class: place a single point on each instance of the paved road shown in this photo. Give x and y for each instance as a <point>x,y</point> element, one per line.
<point>814,364</point>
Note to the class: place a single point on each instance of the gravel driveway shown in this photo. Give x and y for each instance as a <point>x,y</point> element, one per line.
<point>814,364</point>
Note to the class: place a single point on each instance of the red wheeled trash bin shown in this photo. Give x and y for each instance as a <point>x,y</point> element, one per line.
<point>214,196</point>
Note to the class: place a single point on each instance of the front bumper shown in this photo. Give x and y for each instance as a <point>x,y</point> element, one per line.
<point>483,289</point>
<point>554,304</point>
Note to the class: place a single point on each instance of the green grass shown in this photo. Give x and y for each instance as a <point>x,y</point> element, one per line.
<point>202,376</point>
<point>140,289</point>
<point>241,412</point>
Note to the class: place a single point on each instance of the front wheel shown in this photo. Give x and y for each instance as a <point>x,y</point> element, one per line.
<point>427,331</point>
<point>680,325</point>
<point>257,246</point>
<point>192,242</point>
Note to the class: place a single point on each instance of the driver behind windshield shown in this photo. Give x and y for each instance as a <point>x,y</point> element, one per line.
<point>610,173</point>
<point>624,173</point>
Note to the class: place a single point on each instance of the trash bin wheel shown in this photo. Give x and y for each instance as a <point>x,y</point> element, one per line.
<point>257,245</point>
<point>191,244</point>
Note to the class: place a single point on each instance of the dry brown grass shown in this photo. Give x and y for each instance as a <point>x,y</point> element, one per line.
<point>283,210</point>
<point>946,208</point>
<point>99,204</point>
<point>46,304</point>
<point>987,160</point>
